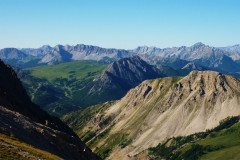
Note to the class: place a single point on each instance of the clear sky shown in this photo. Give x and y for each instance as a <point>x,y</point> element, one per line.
<point>119,23</point>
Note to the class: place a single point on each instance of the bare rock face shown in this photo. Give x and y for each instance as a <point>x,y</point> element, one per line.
<point>20,118</point>
<point>162,108</point>
<point>220,59</point>
<point>81,52</point>
<point>12,53</point>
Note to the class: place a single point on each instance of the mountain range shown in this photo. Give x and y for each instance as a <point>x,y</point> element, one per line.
<point>222,59</point>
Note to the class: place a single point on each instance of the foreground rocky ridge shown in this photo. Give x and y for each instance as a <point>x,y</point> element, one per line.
<point>22,119</point>
<point>163,108</point>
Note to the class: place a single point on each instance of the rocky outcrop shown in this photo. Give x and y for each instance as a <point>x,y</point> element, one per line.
<point>162,108</point>
<point>22,119</point>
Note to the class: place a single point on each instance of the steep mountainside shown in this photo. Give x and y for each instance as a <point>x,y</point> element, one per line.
<point>22,119</point>
<point>159,109</point>
<point>121,76</point>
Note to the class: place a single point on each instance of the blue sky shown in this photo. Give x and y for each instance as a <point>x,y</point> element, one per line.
<point>119,23</point>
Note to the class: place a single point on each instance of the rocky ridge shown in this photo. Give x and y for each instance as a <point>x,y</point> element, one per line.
<point>121,76</point>
<point>163,108</point>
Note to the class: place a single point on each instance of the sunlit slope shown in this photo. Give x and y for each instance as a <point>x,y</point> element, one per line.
<point>13,149</point>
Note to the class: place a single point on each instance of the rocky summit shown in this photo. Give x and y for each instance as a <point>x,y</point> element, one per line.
<point>122,75</point>
<point>159,109</point>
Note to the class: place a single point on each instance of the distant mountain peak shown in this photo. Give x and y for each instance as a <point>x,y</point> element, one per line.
<point>10,49</point>
<point>198,44</point>
<point>46,47</point>
<point>59,46</point>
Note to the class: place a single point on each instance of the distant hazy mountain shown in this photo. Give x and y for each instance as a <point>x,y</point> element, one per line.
<point>233,51</point>
<point>177,57</point>
<point>38,52</point>
<point>17,58</point>
<point>222,59</point>
<point>61,53</point>
<point>12,53</point>
<point>56,54</point>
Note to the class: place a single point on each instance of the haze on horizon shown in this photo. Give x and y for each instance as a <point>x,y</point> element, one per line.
<point>119,24</point>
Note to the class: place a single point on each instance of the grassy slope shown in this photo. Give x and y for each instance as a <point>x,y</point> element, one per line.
<point>61,88</point>
<point>228,139</point>
<point>11,149</point>
<point>77,120</point>
<point>220,143</point>
<point>79,69</point>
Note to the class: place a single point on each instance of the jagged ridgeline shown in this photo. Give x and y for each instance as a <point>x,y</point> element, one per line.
<point>158,110</point>
<point>222,59</point>
<point>27,132</point>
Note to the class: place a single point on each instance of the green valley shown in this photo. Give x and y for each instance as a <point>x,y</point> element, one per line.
<point>63,87</point>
